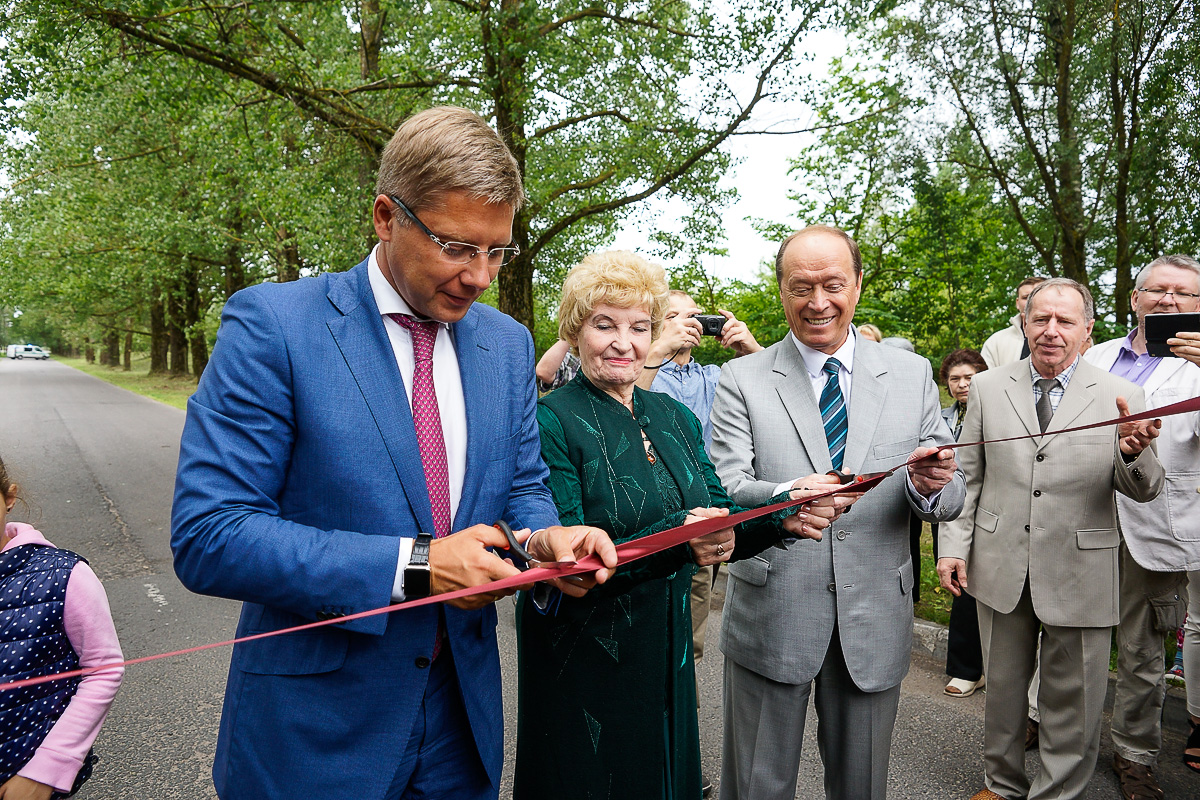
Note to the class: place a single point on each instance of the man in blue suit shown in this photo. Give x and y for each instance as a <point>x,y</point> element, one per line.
<point>330,465</point>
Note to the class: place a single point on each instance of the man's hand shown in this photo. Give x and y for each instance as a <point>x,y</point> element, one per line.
<point>812,518</point>
<point>953,574</point>
<point>931,468</point>
<point>1186,345</point>
<point>714,547</point>
<point>681,332</point>
<point>557,543</point>
<point>18,788</point>
<point>1135,436</point>
<point>736,336</point>
<point>462,560</point>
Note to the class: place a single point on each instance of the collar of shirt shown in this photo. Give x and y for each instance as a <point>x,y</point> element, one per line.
<point>1064,377</point>
<point>672,367</point>
<point>386,296</point>
<point>814,360</point>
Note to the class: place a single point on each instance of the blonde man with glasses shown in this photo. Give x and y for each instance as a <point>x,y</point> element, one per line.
<point>353,439</point>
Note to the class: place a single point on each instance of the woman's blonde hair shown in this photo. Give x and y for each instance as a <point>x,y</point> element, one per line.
<point>617,278</point>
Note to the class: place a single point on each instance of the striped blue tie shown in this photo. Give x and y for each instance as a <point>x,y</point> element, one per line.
<point>833,413</point>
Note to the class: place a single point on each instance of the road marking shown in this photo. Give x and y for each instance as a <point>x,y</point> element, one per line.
<point>154,594</point>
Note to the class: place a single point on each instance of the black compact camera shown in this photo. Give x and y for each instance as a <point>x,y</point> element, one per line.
<point>710,324</point>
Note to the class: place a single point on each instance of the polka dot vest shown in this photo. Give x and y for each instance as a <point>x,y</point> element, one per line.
<point>33,642</point>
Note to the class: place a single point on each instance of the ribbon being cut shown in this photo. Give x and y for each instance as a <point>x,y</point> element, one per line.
<point>626,553</point>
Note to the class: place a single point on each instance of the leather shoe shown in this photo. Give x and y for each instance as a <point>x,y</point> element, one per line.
<point>707,787</point>
<point>1031,733</point>
<point>986,794</point>
<point>1137,780</point>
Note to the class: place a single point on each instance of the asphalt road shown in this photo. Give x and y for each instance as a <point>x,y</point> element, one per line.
<point>97,466</point>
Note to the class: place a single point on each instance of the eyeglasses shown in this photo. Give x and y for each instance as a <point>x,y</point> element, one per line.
<point>461,252</point>
<point>1158,294</point>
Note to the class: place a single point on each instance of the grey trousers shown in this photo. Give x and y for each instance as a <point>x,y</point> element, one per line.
<point>1191,645</point>
<point>1152,605</point>
<point>764,731</point>
<point>1074,665</point>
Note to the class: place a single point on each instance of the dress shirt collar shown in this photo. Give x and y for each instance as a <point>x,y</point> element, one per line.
<point>814,360</point>
<point>1127,343</point>
<point>672,366</point>
<point>386,296</point>
<point>1063,378</point>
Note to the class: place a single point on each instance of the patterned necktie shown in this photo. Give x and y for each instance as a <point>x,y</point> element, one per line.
<point>1044,410</point>
<point>428,420</point>
<point>833,413</point>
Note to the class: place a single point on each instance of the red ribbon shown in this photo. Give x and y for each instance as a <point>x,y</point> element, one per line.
<point>626,552</point>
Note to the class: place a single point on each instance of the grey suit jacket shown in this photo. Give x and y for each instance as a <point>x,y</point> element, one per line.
<point>783,604</point>
<point>1044,509</point>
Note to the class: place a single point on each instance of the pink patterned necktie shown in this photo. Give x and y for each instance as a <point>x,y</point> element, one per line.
<point>428,420</point>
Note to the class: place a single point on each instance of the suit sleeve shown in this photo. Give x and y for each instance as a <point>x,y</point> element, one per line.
<point>954,537</point>
<point>530,502</point>
<point>1141,479</point>
<point>733,444</point>
<point>935,433</point>
<point>226,533</point>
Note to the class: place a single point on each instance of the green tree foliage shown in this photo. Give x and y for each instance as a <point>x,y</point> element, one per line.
<point>285,108</point>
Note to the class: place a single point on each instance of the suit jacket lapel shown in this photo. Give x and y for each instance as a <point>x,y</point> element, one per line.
<point>478,382</point>
<point>868,395</point>
<point>364,343</point>
<point>1076,398</point>
<point>1020,395</point>
<point>795,392</point>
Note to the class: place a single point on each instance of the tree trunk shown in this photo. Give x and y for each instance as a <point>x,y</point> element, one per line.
<point>176,336</point>
<point>112,348</point>
<point>159,337</point>
<point>128,363</point>
<point>1066,155</point>
<point>505,46</point>
<point>194,307</point>
<point>89,355</point>
<point>289,257</point>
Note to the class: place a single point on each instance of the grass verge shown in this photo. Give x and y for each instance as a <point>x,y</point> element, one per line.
<point>165,389</point>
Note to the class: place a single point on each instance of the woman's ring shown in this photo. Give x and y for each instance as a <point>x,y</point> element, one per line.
<point>720,549</point>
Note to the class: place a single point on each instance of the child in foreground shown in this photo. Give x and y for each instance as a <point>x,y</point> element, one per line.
<point>54,618</point>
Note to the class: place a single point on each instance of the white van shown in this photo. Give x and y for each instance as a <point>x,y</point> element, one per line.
<point>19,351</point>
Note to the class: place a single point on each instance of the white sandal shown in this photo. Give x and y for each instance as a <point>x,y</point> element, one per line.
<point>957,687</point>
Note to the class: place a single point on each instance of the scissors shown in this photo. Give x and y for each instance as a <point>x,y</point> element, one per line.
<point>520,552</point>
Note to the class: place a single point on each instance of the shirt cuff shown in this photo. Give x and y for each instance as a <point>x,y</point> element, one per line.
<point>926,503</point>
<point>786,486</point>
<point>406,546</point>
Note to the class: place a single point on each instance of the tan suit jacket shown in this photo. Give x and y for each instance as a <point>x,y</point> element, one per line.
<point>1044,509</point>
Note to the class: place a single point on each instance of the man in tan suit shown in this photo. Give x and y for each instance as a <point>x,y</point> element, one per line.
<point>1039,535</point>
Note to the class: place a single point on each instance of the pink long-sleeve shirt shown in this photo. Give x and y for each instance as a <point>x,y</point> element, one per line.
<point>90,630</point>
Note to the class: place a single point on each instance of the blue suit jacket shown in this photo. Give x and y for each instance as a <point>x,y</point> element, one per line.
<point>298,471</point>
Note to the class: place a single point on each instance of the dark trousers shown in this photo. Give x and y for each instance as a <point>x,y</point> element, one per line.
<point>964,656</point>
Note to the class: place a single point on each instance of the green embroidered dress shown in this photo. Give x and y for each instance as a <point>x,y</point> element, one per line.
<point>607,701</point>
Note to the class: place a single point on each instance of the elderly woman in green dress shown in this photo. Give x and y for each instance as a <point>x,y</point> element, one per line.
<point>607,702</point>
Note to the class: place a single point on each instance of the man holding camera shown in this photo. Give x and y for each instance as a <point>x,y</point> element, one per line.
<point>670,368</point>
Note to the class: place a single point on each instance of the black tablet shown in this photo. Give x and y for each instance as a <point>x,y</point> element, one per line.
<point>1160,327</point>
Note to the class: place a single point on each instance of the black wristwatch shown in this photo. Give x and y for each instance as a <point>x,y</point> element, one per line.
<point>416,574</point>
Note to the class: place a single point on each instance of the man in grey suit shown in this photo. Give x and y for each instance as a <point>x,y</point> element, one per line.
<point>836,611</point>
<point>1039,533</point>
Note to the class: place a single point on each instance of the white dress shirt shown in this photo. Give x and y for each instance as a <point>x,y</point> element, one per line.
<point>814,362</point>
<point>447,382</point>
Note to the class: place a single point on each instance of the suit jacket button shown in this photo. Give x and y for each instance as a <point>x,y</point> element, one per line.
<point>324,615</point>
<point>422,662</point>
<point>1041,457</point>
<point>1027,529</point>
<point>841,535</point>
<point>1037,493</point>
<point>832,587</point>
